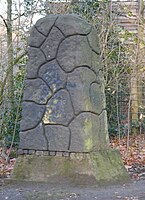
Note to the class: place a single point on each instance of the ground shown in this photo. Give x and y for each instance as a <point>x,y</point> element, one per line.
<point>133,157</point>
<point>45,191</point>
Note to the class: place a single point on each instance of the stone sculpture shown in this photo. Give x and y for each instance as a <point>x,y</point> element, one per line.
<point>64,110</point>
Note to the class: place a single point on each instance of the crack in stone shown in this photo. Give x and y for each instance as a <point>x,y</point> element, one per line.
<point>47,142</point>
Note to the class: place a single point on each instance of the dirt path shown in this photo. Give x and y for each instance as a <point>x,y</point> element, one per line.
<point>43,191</point>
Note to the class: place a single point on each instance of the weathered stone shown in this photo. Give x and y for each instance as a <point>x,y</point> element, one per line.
<point>59,154</point>
<point>36,59</point>
<point>31,115</point>
<point>74,52</point>
<point>96,63</point>
<point>104,139</point>
<point>94,40</point>
<point>71,125</point>
<point>71,24</point>
<point>33,139</point>
<point>45,24</point>
<point>52,153</point>
<point>45,153</point>
<point>39,153</point>
<point>58,137</point>
<point>66,154</point>
<point>50,46</point>
<point>97,97</point>
<point>59,109</point>
<point>20,152</point>
<point>32,152</point>
<point>36,38</point>
<point>37,91</point>
<point>96,169</point>
<point>86,133</point>
<point>53,75</point>
<point>79,85</point>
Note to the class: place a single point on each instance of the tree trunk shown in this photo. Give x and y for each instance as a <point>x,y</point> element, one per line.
<point>10,53</point>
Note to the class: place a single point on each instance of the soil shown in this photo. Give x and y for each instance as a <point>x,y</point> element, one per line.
<point>46,191</point>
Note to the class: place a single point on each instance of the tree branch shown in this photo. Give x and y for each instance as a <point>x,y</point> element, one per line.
<point>4,21</point>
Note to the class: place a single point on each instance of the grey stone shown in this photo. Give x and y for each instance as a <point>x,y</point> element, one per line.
<point>74,52</point>
<point>25,151</point>
<point>58,137</point>
<point>71,24</point>
<point>50,46</point>
<point>53,75</point>
<point>104,139</point>
<point>97,97</point>
<point>36,90</point>
<point>39,153</point>
<point>66,154</point>
<point>79,84</point>
<point>36,59</point>
<point>33,139</point>
<point>20,152</point>
<point>31,152</point>
<point>31,115</point>
<point>45,153</point>
<point>45,24</point>
<point>96,63</point>
<point>59,109</point>
<point>59,154</point>
<point>36,38</point>
<point>86,133</point>
<point>94,40</point>
<point>52,153</point>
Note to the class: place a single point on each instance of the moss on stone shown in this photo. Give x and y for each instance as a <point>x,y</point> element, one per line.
<point>98,168</point>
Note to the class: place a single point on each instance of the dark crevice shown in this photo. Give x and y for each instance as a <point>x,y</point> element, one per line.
<point>91,112</point>
<point>46,84</point>
<point>60,65</point>
<point>43,53</point>
<point>28,129</point>
<point>57,124</point>
<point>60,30</point>
<point>71,101</point>
<point>92,47</point>
<point>43,64</point>
<point>44,134</point>
<point>69,139</point>
<point>83,66</point>
<point>54,93</point>
<point>57,47</point>
<point>74,34</point>
<point>41,34</point>
<point>42,80</point>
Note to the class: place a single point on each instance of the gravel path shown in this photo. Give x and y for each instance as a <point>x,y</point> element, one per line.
<point>43,191</point>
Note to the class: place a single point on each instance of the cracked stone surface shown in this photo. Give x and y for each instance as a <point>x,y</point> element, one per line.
<point>50,46</point>
<point>73,25</point>
<point>36,59</point>
<point>59,109</point>
<point>73,52</point>
<point>86,133</point>
<point>64,102</point>
<point>53,75</point>
<point>37,91</point>
<point>37,38</point>
<point>58,137</point>
<point>32,114</point>
<point>27,139</point>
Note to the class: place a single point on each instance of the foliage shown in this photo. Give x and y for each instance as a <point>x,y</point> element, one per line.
<point>11,116</point>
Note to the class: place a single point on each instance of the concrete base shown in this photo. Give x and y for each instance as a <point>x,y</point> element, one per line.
<point>99,168</point>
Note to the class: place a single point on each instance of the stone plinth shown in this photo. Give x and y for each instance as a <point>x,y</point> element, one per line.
<point>64,129</point>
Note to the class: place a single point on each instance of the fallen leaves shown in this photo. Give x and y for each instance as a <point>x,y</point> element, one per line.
<point>133,154</point>
<point>6,167</point>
